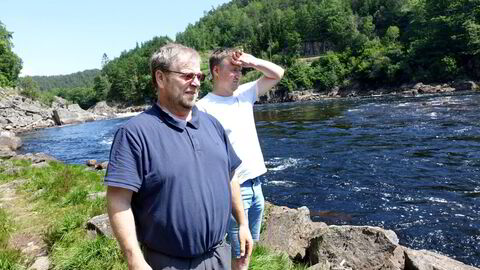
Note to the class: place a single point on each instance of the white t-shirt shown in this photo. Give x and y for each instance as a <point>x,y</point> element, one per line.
<point>235,113</point>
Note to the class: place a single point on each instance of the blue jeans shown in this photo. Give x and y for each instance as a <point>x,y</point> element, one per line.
<point>253,204</point>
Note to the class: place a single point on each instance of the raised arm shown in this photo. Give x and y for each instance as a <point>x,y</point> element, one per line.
<point>272,73</point>
<point>123,226</point>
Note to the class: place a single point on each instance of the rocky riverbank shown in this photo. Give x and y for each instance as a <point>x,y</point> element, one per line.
<point>353,91</point>
<point>323,247</point>
<point>20,114</point>
<point>285,230</point>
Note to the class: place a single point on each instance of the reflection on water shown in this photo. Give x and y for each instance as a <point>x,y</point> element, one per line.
<point>407,164</point>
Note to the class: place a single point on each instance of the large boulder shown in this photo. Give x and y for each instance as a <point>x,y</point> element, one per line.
<point>36,157</point>
<point>289,230</point>
<point>102,110</point>
<point>357,247</point>
<point>428,260</point>
<point>465,85</point>
<point>71,115</point>
<point>8,141</point>
<point>323,247</point>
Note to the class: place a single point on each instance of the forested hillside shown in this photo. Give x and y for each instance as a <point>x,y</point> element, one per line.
<point>77,79</point>
<point>370,43</point>
<point>323,44</point>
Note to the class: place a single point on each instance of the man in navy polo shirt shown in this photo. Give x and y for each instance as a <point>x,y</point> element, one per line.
<point>169,176</point>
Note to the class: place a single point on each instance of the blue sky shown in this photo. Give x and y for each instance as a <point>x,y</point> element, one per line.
<point>61,37</point>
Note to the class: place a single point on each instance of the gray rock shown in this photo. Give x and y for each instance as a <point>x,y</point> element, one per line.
<point>101,166</point>
<point>96,195</point>
<point>66,116</point>
<point>91,162</point>
<point>41,263</point>
<point>465,85</point>
<point>289,230</point>
<point>100,225</point>
<point>36,158</point>
<point>357,247</point>
<point>344,247</point>
<point>31,108</point>
<point>428,260</point>
<point>8,141</point>
<point>59,102</point>
<point>102,110</point>
<point>6,153</point>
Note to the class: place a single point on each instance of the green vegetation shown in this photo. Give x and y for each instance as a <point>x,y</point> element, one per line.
<point>322,44</point>
<point>373,43</point>
<point>264,259</point>
<point>10,63</point>
<point>59,195</point>
<point>78,79</point>
<point>77,88</point>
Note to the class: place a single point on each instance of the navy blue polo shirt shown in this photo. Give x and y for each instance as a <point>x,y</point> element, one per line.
<point>180,173</point>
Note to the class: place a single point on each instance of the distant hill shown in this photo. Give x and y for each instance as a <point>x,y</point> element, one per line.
<point>74,80</point>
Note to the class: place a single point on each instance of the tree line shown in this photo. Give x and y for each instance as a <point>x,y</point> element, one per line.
<point>322,44</point>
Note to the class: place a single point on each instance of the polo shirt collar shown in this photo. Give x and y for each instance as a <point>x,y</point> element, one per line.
<point>169,118</point>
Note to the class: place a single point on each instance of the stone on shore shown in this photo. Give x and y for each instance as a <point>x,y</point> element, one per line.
<point>9,142</point>
<point>344,247</point>
<point>99,225</point>
<point>102,111</point>
<point>330,247</point>
<point>71,115</point>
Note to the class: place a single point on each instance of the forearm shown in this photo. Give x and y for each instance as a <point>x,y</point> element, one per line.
<point>123,226</point>
<point>237,202</point>
<point>268,69</point>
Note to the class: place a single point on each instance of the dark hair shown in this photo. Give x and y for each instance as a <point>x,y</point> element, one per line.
<point>217,57</point>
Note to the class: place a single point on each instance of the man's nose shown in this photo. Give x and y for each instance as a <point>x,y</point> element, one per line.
<point>196,81</point>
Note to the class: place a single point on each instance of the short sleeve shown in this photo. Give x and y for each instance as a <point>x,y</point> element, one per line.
<point>248,92</point>
<point>124,166</point>
<point>233,160</point>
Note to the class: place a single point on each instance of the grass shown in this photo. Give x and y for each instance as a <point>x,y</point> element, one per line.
<point>264,259</point>
<point>59,195</point>
<point>10,259</point>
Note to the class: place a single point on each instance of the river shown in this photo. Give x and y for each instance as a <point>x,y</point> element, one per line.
<point>410,164</point>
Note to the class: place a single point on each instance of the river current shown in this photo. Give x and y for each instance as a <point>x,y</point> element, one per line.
<point>409,164</point>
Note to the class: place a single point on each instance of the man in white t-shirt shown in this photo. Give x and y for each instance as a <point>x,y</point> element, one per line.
<point>232,104</point>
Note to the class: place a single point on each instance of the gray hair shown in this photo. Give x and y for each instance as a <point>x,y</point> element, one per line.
<point>164,57</point>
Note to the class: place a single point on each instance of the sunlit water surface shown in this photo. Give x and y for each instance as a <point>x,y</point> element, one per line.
<point>407,164</point>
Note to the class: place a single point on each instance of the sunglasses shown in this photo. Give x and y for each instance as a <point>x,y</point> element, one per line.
<point>188,76</point>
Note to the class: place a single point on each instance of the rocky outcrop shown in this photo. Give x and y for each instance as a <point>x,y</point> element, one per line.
<point>356,89</point>
<point>18,113</point>
<point>102,111</point>
<point>8,144</point>
<point>344,247</point>
<point>71,114</point>
<point>291,231</point>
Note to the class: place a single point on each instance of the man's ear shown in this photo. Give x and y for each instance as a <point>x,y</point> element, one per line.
<point>215,70</point>
<point>160,78</point>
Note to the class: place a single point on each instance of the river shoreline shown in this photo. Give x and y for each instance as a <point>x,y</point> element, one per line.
<point>350,150</point>
<point>21,114</point>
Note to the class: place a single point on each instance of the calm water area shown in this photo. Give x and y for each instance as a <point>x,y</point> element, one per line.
<point>409,164</point>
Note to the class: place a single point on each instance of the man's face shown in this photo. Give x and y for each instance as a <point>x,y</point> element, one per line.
<point>179,92</point>
<point>229,75</point>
